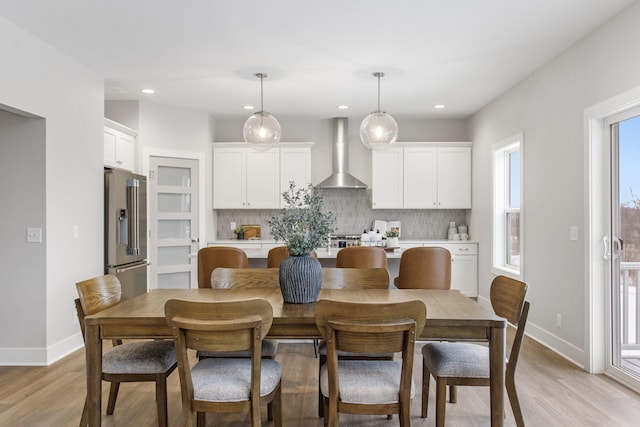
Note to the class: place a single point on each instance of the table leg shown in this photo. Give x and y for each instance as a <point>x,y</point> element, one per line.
<point>496,371</point>
<point>93,352</point>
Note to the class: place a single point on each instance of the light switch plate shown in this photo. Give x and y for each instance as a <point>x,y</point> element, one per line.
<point>34,235</point>
<point>573,233</point>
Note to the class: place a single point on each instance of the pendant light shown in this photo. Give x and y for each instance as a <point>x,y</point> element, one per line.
<point>378,130</point>
<point>261,131</point>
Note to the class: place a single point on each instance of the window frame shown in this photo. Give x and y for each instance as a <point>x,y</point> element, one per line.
<point>502,210</point>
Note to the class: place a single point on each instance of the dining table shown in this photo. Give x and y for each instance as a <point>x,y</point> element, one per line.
<point>450,316</point>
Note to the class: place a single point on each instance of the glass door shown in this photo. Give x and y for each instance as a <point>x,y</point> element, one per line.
<point>624,268</point>
<point>173,219</point>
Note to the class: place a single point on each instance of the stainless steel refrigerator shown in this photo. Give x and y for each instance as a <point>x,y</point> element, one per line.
<point>125,227</point>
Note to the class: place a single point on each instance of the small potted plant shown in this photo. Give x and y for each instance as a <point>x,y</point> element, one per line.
<point>392,238</point>
<point>239,230</point>
<point>303,226</point>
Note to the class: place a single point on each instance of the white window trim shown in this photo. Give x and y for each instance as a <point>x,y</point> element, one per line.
<point>499,245</point>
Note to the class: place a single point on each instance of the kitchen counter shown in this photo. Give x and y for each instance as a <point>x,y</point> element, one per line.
<point>258,249</point>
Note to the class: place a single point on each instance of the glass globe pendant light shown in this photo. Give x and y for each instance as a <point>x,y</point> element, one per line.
<point>378,130</point>
<point>261,131</point>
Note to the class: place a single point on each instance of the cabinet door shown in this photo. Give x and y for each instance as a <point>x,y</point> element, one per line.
<point>386,182</point>
<point>263,179</point>
<point>295,165</point>
<point>125,151</point>
<point>454,178</point>
<point>229,178</point>
<point>464,274</point>
<point>110,138</point>
<point>420,177</point>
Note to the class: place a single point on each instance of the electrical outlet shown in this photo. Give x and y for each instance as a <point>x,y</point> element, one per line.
<point>34,235</point>
<point>559,321</point>
<point>233,226</point>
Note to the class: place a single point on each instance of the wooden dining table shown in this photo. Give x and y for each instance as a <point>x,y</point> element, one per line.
<point>450,316</point>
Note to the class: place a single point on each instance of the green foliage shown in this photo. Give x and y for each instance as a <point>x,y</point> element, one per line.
<point>238,229</point>
<point>302,226</point>
<point>392,233</point>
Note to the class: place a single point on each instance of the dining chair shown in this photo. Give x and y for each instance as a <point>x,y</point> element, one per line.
<point>129,362</point>
<point>424,268</point>
<point>212,257</point>
<point>361,257</point>
<point>377,387</point>
<point>459,363</point>
<point>277,254</point>
<point>224,384</point>
<point>350,278</point>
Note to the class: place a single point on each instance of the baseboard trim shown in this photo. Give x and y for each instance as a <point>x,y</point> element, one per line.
<point>40,356</point>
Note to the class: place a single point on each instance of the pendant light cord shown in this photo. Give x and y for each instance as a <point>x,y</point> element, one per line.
<point>261,93</point>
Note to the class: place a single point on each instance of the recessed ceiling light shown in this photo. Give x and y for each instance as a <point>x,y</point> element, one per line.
<point>343,107</point>
<point>438,106</point>
<point>248,107</point>
<point>148,91</point>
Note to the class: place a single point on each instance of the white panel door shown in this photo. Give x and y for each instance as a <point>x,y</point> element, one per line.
<point>420,177</point>
<point>263,179</point>
<point>454,178</point>
<point>295,165</point>
<point>229,178</point>
<point>173,222</point>
<point>386,182</point>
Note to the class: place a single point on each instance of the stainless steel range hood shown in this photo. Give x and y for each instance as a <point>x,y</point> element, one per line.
<point>341,178</point>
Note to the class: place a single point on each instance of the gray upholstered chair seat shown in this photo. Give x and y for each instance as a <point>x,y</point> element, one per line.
<point>366,381</point>
<point>322,350</point>
<point>229,380</point>
<point>456,359</point>
<point>140,357</point>
<point>269,350</point>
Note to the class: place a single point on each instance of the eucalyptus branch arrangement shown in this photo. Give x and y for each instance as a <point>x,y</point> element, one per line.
<point>303,226</point>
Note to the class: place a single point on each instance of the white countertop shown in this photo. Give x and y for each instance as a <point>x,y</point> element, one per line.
<point>258,249</point>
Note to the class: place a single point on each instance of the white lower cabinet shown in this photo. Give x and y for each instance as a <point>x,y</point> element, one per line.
<point>464,266</point>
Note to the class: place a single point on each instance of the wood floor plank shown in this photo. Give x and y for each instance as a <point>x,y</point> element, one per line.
<point>553,392</point>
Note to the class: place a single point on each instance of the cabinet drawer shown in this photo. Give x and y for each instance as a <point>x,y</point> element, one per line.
<point>459,248</point>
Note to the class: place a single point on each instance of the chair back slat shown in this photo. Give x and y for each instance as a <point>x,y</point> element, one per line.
<point>213,257</point>
<point>99,293</point>
<point>424,268</point>
<point>361,257</point>
<point>507,298</point>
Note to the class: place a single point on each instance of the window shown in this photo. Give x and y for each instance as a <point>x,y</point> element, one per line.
<point>507,201</point>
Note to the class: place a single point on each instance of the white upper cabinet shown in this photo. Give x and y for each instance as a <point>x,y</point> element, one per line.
<point>295,165</point>
<point>386,180</point>
<point>247,179</point>
<point>119,145</point>
<point>422,176</point>
<point>454,178</point>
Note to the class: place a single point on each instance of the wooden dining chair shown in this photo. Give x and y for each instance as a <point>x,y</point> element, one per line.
<point>225,384</point>
<point>129,362</point>
<point>459,363</point>
<point>424,268</point>
<point>350,278</point>
<point>361,257</point>
<point>378,387</point>
<point>212,257</point>
<point>277,254</point>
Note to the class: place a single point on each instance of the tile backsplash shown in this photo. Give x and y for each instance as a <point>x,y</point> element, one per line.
<point>352,208</point>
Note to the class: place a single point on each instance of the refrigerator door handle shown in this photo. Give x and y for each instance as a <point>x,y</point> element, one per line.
<point>133,267</point>
<point>133,245</point>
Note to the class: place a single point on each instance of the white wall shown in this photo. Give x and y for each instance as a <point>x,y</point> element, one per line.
<point>39,80</point>
<point>548,106</point>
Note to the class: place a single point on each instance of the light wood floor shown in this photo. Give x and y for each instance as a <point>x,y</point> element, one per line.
<point>552,391</point>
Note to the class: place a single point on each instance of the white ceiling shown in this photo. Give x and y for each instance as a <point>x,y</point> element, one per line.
<point>203,54</point>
